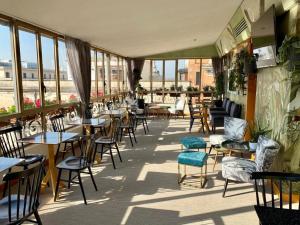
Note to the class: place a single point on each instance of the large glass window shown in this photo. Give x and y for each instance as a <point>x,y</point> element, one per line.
<point>68,92</point>
<point>107,74</point>
<point>49,73</point>
<point>93,75</point>
<point>126,84</point>
<point>182,74</point>
<point>114,68</point>
<point>100,72</point>
<point>207,78</point>
<point>9,101</point>
<point>157,74</point>
<point>30,74</point>
<point>170,73</point>
<point>122,78</point>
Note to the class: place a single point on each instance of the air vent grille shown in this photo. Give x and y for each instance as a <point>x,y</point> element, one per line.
<point>240,27</point>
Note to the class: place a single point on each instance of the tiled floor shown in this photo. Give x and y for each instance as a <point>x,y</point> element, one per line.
<point>143,190</point>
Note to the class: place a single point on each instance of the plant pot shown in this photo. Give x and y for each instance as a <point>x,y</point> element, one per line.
<point>158,93</point>
<point>252,146</point>
<point>193,94</point>
<point>174,94</point>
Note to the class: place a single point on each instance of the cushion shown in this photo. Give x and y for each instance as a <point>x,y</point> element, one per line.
<point>193,142</point>
<point>235,128</point>
<point>217,139</point>
<point>192,158</point>
<point>238,169</point>
<point>266,151</point>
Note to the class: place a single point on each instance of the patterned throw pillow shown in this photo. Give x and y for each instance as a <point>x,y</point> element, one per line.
<point>234,128</point>
<point>266,151</point>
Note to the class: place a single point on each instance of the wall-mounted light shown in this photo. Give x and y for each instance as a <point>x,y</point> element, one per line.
<point>288,4</point>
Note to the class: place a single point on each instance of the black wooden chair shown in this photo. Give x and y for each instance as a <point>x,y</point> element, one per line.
<point>141,117</point>
<point>57,123</point>
<point>78,165</point>
<point>11,148</point>
<point>22,200</point>
<point>275,212</point>
<point>129,126</point>
<point>109,142</point>
<point>195,114</point>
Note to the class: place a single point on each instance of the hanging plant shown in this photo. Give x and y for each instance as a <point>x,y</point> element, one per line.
<point>232,78</point>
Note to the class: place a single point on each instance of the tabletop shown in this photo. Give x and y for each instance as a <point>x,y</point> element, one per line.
<point>48,138</point>
<point>88,122</point>
<point>6,163</point>
<point>114,112</point>
<point>236,146</point>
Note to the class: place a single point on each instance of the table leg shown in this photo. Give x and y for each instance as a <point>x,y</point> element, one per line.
<point>51,173</point>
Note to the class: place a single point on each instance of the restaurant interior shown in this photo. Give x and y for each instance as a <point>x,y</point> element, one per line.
<point>150,112</point>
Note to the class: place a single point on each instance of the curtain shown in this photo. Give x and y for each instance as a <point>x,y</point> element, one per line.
<point>79,57</point>
<point>135,68</point>
<point>217,64</point>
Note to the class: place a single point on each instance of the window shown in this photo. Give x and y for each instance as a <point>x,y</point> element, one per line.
<point>157,74</point>
<point>50,91</point>
<point>183,73</point>
<point>100,73</point>
<point>107,73</point>
<point>126,84</point>
<point>207,77</point>
<point>114,74</point>
<point>32,76</point>
<point>28,52</point>
<point>8,90</point>
<point>93,75</point>
<point>198,78</point>
<point>169,73</point>
<point>68,92</point>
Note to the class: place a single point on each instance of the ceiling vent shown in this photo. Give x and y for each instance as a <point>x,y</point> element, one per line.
<point>240,27</point>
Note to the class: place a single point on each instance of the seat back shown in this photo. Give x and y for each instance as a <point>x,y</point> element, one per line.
<point>180,104</point>
<point>234,128</point>
<point>88,148</point>
<point>225,102</point>
<point>235,110</point>
<point>23,193</point>
<point>57,123</point>
<point>272,212</point>
<point>9,145</point>
<point>267,149</point>
<point>114,128</point>
<point>228,106</point>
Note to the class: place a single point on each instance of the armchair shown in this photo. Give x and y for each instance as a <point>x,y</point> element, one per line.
<point>178,108</point>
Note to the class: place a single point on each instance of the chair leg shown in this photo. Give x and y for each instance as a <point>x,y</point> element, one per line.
<point>210,149</point>
<point>69,180</point>
<point>64,152</point>
<point>37,217</point>
<point>121,135</point>
<point>73,150</point>
<point>118,152</point>
<point>81,187</point>
<point>92,177</point>
<point>225,187</point>
<point>130,137</point>
<point>57,151</point>
<point>146,125</point>
<point>112,157</point>
<point>57,184</point>
<point>191,123</point>
<point>102,149</point>
<point>132,129</point>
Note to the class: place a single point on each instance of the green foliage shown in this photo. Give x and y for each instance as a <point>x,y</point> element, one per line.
<point>189,88</point>
<point>232,78</point>
<point>284,49</point>
<point>256,130</point>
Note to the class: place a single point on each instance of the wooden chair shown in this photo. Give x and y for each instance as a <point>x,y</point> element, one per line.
<point>129,127</point>
<point>274,212</point>
<point>22,200</point>
<point>109,142</point>
<point>57,123</point>
<point>78,165</point>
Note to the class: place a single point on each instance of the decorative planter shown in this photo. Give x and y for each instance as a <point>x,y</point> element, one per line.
<point>252,146</point>
<point>193,94</point>
<point>174,94</point>
<point>158,93</point>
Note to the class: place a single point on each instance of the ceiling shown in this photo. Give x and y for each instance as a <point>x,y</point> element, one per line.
<point>133,27</point>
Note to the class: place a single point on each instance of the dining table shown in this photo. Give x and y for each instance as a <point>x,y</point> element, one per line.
<point>115,113</point>
<point>7,163</point>
<point>51,139</point>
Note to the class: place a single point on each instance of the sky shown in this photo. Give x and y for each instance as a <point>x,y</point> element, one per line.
<point>170,67</point>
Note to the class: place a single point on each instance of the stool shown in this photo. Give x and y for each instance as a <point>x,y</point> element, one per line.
<point>193,158</point>
<point>192,142</point>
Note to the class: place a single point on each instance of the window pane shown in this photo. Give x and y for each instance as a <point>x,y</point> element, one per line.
<point>157,77</point>
<point>106,70</point>
<point>121,75</point>
<point>169,73</point>
<point>30,75</point>
<point>182,73</point>
<point>114,74</point>
<point>126,85</point>
<point>67,88</point>
<point>93,75</point>
<point>100,70</point>
<point>188,73</point>
<point>8,102</point>
<point>49,73</point>
<point>207,78</point>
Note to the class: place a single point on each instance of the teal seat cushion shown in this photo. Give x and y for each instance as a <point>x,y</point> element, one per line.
<point>193,142</point>
<point>192,158</point>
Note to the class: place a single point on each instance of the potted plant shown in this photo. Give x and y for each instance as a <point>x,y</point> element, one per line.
<point>174,91</point>
<point>192,91</point>
<point>256,130</point>
<point>231,83</point>
<point>207,91</point>
<point>158,91</point>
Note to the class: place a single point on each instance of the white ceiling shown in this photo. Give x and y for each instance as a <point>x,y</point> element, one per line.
<point>130,27</point>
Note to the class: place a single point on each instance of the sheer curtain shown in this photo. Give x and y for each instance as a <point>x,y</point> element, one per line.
<point>135,67</point>
<point>79,58</point>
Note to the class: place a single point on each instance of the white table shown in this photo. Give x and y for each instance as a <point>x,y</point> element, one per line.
<point>7,163</point>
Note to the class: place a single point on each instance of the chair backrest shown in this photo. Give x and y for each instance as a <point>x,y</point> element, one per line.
<point>267,149</point>
<point>179,104</point>
<point>23,193</point>
<point>272,212</point>
<point>114,128</point>
<point>234,128</point>
<point>224,102</point>
<point>9,144</point>
<point>88,148</point>
<point>228,106</point>
<point>235,110</point>
<point>57,123</point>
